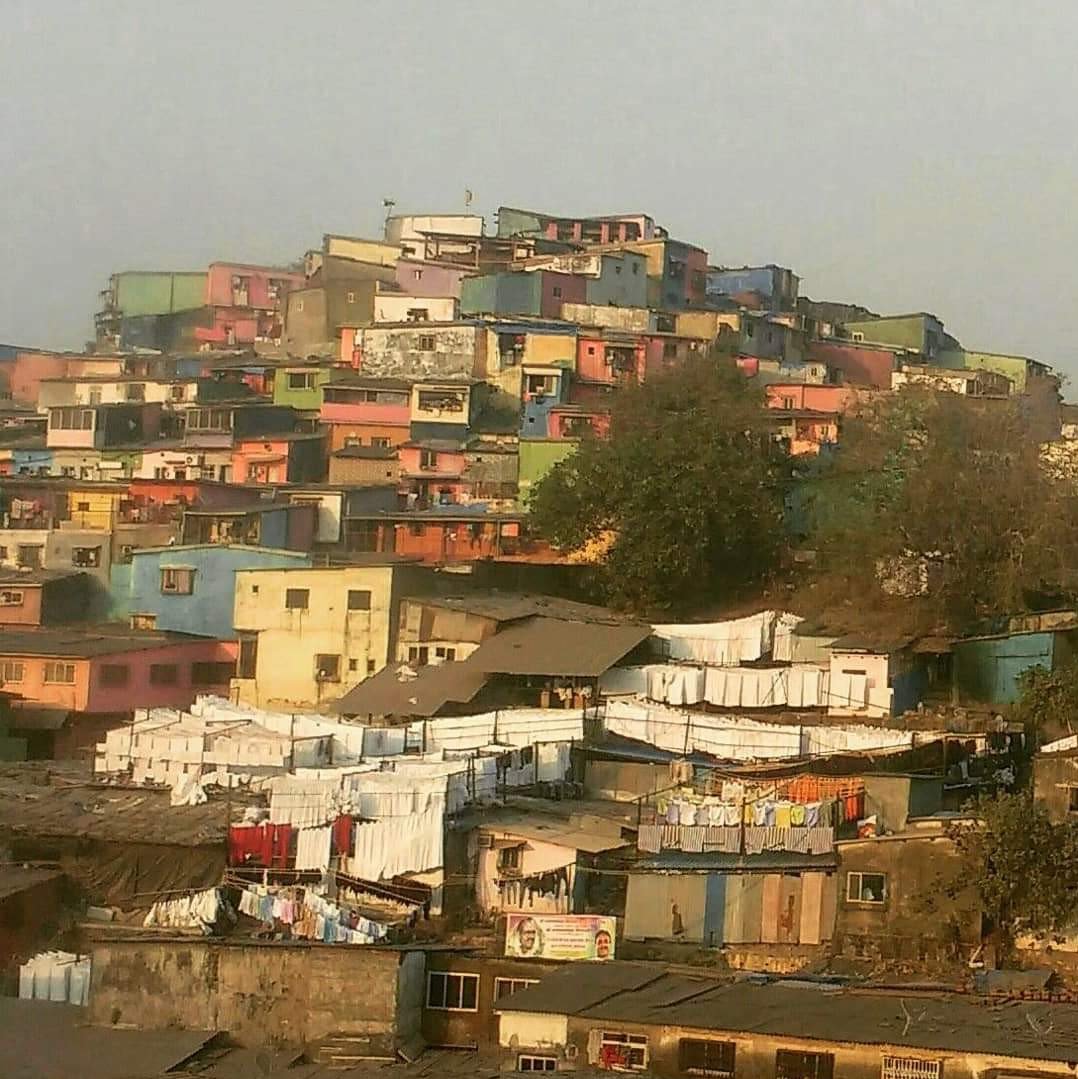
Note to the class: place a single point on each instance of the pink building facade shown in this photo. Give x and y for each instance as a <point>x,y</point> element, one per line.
<point>247,302</point>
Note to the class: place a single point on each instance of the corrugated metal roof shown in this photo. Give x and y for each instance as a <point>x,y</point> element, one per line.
<point>557,647</point>
<point>402,690</point>
<point>827,1013</point>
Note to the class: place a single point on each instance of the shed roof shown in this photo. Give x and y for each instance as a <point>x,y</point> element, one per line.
<point>42,1041</point>
<point>400,690</point>
<point>950,1022</point>
<point>50,800</point>
<point>509,606</point>
<point>554,646</point>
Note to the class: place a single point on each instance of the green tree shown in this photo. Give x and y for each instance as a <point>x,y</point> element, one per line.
<point>1048,703</point>
<point>1023,867</point>
<point>957,481</point>
<point>683,500</point>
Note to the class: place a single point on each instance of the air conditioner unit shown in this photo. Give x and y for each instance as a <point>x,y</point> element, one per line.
<point>571,1052</point>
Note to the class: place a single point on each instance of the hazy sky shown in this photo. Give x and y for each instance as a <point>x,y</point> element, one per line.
<point>906,156</point>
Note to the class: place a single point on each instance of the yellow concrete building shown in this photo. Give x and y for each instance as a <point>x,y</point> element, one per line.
<point>308,635</point>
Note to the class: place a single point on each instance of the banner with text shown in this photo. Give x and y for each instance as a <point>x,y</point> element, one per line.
<point>559,936</point>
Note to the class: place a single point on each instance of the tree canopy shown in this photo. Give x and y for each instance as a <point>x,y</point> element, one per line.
<point>683,502</point>
<point>1022,865</point>
<point>945,480</point>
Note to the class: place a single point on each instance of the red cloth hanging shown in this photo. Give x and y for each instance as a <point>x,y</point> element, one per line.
<point>342,834</point>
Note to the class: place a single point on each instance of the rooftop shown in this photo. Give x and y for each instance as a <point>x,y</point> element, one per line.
<point>53,799</point>
<point>40,1040</point>
<point>87,642</point>
<point>368,453</point>
<point>9,576</point>
<point>509,606</point>
<point>558,647</point>
<point>18,878</point>
<point>401,690</point>
<point>648,993</point>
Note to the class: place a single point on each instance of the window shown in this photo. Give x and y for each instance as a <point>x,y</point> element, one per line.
<point>857,335</point>
<point>636,267</point>
<point>622,1052</point>
<point>536,1064</point>
<point>556,292</point>
<point>299,305</point>
<point>136,391</point>
<point>301,380</point>
<point>164,674</point>
<point>445,653</point>
<point>504,987</point>
<point>127,551</point>
<point>1073,799</point>
<point>418,275</point>
<point>789,402</point>
<point>86,557</point>
<point>669,350</point>
<point>177,580</point>
<point>211,674</point>
<point>509,859</point>
<point>698,1056</point>
<point>296,599</point>
<point>371,666</point>
<point>71,419</point>
<point>425,342</point>
<point>790,1064</point>
<point>381,443</point>
<point>865,887</point>
<point>95,395</point>
<point>11,597</point>
<point>452,992</point>
<point>351,296</point>
<point>11,671</point>
<point>353,664</point>
<point>61,674</point>
<point>114,675</point>
<point>144,621</point>
<point>359,599</point>
<point>327,668</point>
<point>428,459</point>
<point>910,1068</point>
<point>177,392</point>
<point>29,555</point>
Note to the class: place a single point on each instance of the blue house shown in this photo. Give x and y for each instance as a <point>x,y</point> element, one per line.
<point>192,589</point>
<point>987,669</point>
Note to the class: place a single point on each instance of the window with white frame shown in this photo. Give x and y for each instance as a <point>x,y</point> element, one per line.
<point>451,992</point>
<point>177,580</point>
<point>910,1068</point>
<point>504,987</point>
<point>622,1052</point>
<point>866,887</point>
<point>11,670</point>
<point>527,1062</point>
<point>60,674</point>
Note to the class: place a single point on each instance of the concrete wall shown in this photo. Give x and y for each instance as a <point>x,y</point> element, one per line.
<point>916,919</point>
<point>290,639</point>
<point>1054,776</point>
<point>458,350</point>
<point>859,365</point>
<point>429,278</point>
<point>158,293</point>
<point>393,307</point>
<point>262,994</point>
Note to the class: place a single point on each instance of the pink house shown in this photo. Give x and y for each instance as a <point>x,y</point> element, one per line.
<point>572,421</point>
<point>614,361</point>
<point>418,278</point>
<point>29,369</point>
<point>247,302</point>
<point>804,395</point>
<point>367,411</point>
<point>292,457</point>
<point>100,675</point>
<point>858,365</point>
<point>433,470</point>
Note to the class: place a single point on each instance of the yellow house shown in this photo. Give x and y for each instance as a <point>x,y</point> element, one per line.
<point>308,635</point>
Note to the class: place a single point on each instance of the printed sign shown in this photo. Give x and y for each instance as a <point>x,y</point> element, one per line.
<point>559,936</point>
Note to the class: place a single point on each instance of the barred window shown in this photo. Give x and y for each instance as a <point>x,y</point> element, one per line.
<point>910,1068</point>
